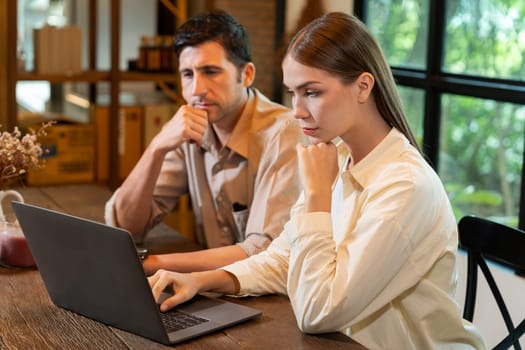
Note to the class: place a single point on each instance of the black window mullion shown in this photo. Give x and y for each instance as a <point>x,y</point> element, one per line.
<point>521,214</point>
<point>432,117</point>
<point>360,10</point>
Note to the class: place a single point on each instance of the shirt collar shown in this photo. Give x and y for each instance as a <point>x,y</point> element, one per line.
<point>390,148</point>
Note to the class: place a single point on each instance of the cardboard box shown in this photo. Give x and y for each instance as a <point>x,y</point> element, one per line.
<point>41,38</point>
<point>57,50</point>
<point>155,116</point>
<point>129,140</point>
<point>69,155</point>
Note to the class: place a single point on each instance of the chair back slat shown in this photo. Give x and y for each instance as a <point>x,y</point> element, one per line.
<point>472,284</point>
<point>496,294</point>
<point>484,239</point>
<point>512,338</point>
<point>496,241</point>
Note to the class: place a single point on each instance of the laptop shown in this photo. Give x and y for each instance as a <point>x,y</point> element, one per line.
<point>94,270</point>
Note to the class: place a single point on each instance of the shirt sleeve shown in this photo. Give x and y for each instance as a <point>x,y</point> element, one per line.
<point>276,189</point>
<point>265,272</point>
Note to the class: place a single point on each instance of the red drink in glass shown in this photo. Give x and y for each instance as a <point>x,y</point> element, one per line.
<point>13,248</point>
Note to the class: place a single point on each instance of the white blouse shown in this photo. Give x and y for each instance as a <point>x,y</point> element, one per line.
<point>381,267</point>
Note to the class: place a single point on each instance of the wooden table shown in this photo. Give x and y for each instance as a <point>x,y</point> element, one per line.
<point>29,320</point>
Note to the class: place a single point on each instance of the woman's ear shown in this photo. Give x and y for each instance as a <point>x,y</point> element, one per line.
<point>248,74</point>
<point>365,83</point>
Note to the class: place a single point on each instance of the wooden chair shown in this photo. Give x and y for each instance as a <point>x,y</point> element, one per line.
<point>484,239</point>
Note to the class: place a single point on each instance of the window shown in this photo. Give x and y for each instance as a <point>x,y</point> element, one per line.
<point>408,20</point>
<point>485,38</point>
<point>460,68</point>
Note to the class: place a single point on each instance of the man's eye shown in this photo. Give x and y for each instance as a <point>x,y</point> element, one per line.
<point>186,74</point>
<point>211,72</point>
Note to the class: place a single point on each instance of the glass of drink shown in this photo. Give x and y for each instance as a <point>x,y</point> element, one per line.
<point>14,251</point>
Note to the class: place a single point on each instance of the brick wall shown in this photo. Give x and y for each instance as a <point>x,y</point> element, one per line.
<point>258,16</point>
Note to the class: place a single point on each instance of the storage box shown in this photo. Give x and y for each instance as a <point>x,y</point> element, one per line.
<point>57,50</point>
<point>155,116</point>
<point>69,155</point>
<point>129,140</point>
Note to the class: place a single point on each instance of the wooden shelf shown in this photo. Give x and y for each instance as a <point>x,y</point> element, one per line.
<point>86,76</point>
<point>146,76</point>
<point>96,76</point>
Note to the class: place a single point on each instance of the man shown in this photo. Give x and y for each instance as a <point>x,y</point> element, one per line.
<point>229,147</point>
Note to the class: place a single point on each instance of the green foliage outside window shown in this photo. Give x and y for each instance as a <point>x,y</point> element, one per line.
<point>486,37</point>
<point>481,156</point>
<point>401,29</point>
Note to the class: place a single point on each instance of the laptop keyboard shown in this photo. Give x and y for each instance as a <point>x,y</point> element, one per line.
<point>175,320</point>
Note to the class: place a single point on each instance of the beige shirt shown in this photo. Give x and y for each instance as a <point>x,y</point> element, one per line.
<point>241,193</point>
<point>381,267</point>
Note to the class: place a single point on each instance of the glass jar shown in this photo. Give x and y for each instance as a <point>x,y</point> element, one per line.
<point>14,251</point>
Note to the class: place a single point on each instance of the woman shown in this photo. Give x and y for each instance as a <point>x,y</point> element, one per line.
<point>370,249</point>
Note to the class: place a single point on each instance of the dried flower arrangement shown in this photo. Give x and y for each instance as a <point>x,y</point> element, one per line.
<point>20,153</point>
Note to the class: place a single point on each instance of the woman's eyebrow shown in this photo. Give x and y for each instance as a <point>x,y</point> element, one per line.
<point>305,84</point>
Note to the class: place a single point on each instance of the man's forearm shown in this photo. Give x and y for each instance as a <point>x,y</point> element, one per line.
<point>133,202</point>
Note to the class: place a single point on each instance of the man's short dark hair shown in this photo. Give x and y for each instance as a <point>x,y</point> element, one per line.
<point>218,26</point>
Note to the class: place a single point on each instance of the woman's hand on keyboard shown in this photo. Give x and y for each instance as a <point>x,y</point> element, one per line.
<point>184,287</point>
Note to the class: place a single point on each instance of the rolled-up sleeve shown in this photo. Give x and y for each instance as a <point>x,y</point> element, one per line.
<point>109,210</point>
